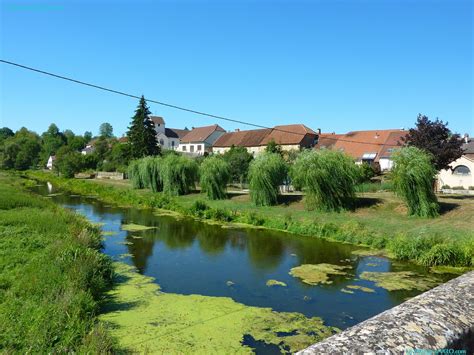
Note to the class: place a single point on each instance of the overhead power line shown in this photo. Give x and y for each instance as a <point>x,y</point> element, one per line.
<point>99,87</point>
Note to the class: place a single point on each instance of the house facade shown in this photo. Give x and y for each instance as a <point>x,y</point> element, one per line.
<point>461,170</point>
<point>50,162</point>
<point>200,140</point>
<point>374,147</point>
<point>289,137</point>
<point>167,138</point>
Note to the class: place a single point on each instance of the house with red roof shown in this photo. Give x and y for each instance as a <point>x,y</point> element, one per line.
<point>374,147</point>
<point>200,140</point>
<point>289,137</point>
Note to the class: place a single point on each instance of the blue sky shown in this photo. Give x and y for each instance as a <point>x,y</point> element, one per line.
<point>334,65</point>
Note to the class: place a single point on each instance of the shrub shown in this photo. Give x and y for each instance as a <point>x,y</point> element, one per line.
<point>445,187</point>
<point>214,175</point>
<point>413,178</point>
<point>458,188</point>
<point>365,172</point>
<point>471,188</point>
<point>327,177</point>
<point>266,173</point>
<point>178,174</point>
<point>444,254</point>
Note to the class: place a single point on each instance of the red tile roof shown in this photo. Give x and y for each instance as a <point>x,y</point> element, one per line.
<point>358,143</point>
<point>200,134</point>
<point>249,138</point>
<point>288,134</point>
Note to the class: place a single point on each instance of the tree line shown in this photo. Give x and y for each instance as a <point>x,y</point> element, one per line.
<point>328,178</point>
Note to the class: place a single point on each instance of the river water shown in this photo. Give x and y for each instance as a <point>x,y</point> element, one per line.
<point>189,257</point>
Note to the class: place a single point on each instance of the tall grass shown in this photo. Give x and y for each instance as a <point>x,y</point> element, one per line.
<point>178,174</point>
<point>413,176</point>
<point>327,177</point>
<point>266,173</point>
<point>52,276</point>
<point>214,175</point>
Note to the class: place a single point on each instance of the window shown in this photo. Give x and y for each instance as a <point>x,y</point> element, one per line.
<point>191,148</point>
<point>184,148</point>
<point>461,170</point>
<point>199,147</point>
<point>162,142</point>
<point>172,144</point>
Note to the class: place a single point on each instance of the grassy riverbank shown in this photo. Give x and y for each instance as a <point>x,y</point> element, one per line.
<point>52,277</point>
<point>379,221</point>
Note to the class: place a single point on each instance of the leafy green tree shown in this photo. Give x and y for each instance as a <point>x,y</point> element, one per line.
<point>5,133</point>
<point>52,140</point>
<point>87,136</point>
<point>141,133</point>
<point>178,174</point>
<point>413,176</point>
<point>273,147</point>
<point>21,151</point>
<point>239,160</point>
<point>435,138</point>
<point>106,130</point>
<point>68,162</point>
<point>327,177</point>
<point>266,173</point>
<point>214,175</point>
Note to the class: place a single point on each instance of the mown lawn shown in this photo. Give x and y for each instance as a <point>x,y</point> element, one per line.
<point>52,277</point>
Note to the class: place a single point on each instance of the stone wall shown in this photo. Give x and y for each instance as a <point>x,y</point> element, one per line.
<point>442,318</point>
<point>109,175</point>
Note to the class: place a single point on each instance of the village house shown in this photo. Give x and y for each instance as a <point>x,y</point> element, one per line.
<point>374,147</point>
<point>461,170</point>
<point>167,138</point>
<point>289,137</point>
<point>200,140</point>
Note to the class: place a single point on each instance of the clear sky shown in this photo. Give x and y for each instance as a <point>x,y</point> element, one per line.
<point>338,65</point>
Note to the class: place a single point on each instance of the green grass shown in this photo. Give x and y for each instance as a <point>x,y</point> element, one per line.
<point>379,220</point>
<point>52,276</point>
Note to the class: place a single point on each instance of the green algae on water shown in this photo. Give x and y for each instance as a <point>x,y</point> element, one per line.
<point>314,274</point>
<point>142,319</point>
<point>132,227</point>
<point>402,280</point>
<point>361,288</point>
<point>271,283</point>
<point>108,233</point>
<point>346,291</point>
<point>368,252</point>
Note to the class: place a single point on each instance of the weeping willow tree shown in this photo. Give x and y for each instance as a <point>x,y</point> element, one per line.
<point>178,174</point>
<point>327,177</point>
<point>413,176</point>
<point>266,173</point>
<point>214,175</point>
<point>145,173</point>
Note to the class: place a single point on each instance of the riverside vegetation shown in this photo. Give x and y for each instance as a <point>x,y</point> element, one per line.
<point>52,277</point>
<point>380,223</point>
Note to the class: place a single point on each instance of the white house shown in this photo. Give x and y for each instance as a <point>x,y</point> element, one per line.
<point>461,172</point>
<point>49,164</point>
<point>200,140</point>
<point>167,138</point>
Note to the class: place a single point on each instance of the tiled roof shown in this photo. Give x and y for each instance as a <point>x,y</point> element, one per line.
<point>288,134</point>
<point>468,147</point>
<point>250,138</point>
<point>157,119</point>
<point>358,143</point>
<point>123,139</point>
<point>176,133</point>
<point>200,134</point>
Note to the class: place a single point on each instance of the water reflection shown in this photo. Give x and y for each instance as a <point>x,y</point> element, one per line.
<point>188,257</point>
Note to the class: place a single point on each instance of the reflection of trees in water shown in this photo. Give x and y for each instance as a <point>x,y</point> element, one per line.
<point>212,240</point>
<point>237,239</point>
<point>141,249</point>
<point>176,234</point>
<point>315,251</point>
<point>265,251</point>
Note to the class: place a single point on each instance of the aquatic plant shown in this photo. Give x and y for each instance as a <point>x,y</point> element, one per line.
<point>178,174</point>
<point>266,173</point>
<point>402,280</point>
<point>272,282</point>
<point>313,274</point>
<point>327,177</point>
<point>135,227</point>
<point>214,175</point>
<point>413,178</point>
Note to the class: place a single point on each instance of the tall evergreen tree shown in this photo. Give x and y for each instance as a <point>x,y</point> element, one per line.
<point>141,133</point>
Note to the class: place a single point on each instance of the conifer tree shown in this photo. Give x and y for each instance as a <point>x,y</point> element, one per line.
<point>141,133</point>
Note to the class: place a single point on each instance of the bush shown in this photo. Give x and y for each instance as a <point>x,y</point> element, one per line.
<point>266,173</point>
<point>458,188</point>
<point>327,177</point>
<point>471,188</point>
<point>365,172</point>
<point>214,175</point>
<point>413,178</point>
<point>68,162</point>
<point>178,174</point>
<point>445,187</point>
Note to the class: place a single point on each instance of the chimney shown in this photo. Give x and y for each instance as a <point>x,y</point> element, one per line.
<point>237,129</point>
<point>319,130</point>
<point>466,138</point>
